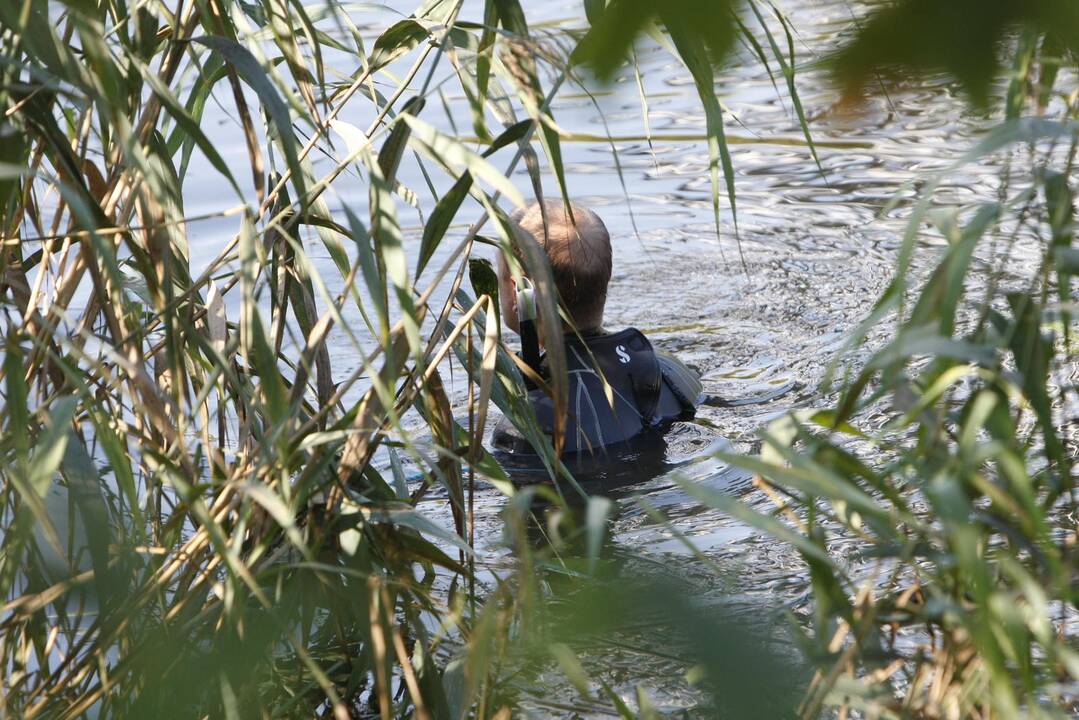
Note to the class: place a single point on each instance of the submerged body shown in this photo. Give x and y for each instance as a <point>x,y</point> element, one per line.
<point>619,386</point>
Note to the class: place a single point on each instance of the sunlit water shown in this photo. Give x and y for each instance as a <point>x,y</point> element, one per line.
<point>760,313</point>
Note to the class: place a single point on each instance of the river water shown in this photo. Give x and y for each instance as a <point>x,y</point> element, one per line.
<point>760,314</point>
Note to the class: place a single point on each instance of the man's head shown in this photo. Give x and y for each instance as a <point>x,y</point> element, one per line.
<point>579,250</point>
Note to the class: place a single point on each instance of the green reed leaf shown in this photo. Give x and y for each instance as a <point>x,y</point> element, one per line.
<point>187,124</point>
<point>736,509</point>
<point>85,488</point>
<point>50,448</point>
<point>259,80</point>
<point>390,254</point>
<point>369,267</point>
<point>438,222</point>
<point>406,516</point>
<point>693,55</point>
<point>395,42</point>
<point>16,403</point>
<point>963,38</point>
<point>614,30</point>
<point>448,151</point>
<point>389,156</point>
<point>253,343</point>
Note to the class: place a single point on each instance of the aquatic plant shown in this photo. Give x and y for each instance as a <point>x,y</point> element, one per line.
<point>948,457</point>
<point>194,522</point>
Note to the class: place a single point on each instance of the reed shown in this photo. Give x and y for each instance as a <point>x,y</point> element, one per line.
<point>194,524</point>
<point>948,457</point>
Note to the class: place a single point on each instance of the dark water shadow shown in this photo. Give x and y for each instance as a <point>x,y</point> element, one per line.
<point>616,470</point>
<point>626,613</point>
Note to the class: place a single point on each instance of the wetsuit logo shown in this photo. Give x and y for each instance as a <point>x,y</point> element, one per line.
<point>623,356</point>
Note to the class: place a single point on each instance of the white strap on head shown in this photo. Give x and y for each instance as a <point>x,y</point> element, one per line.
<point>526,300</point>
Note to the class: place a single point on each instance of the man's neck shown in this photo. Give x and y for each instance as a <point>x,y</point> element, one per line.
<point>583,332</point>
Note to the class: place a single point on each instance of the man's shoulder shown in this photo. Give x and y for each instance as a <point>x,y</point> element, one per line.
<point>681,379</point>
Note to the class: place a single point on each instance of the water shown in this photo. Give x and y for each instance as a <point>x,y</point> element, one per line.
<point>760,314</point>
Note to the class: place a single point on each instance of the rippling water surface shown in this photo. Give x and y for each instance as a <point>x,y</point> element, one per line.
<point>760,314</point>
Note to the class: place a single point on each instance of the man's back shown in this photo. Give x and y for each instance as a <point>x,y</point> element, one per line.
<point>618,387</point>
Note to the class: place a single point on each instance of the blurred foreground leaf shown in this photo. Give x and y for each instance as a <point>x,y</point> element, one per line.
<point>616,27</point>
<point>966,39</point>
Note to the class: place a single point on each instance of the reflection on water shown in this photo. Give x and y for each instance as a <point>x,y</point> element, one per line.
<point>636,462</point>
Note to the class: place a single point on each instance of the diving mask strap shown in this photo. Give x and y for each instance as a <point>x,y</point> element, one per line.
<point>526,320</point>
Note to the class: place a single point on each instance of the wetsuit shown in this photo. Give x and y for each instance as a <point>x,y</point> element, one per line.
<point>648,388</point>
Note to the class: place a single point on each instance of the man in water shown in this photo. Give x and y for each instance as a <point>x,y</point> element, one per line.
<point>619,386</point>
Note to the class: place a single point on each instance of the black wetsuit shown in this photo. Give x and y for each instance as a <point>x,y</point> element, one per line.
<point>648,389</point>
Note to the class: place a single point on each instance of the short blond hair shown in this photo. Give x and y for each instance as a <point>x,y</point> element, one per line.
<point>578,247</point>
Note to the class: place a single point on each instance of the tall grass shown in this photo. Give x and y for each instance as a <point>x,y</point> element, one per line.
<point>194,524</point>
<point>962,597</point>
<point>194,521</point>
